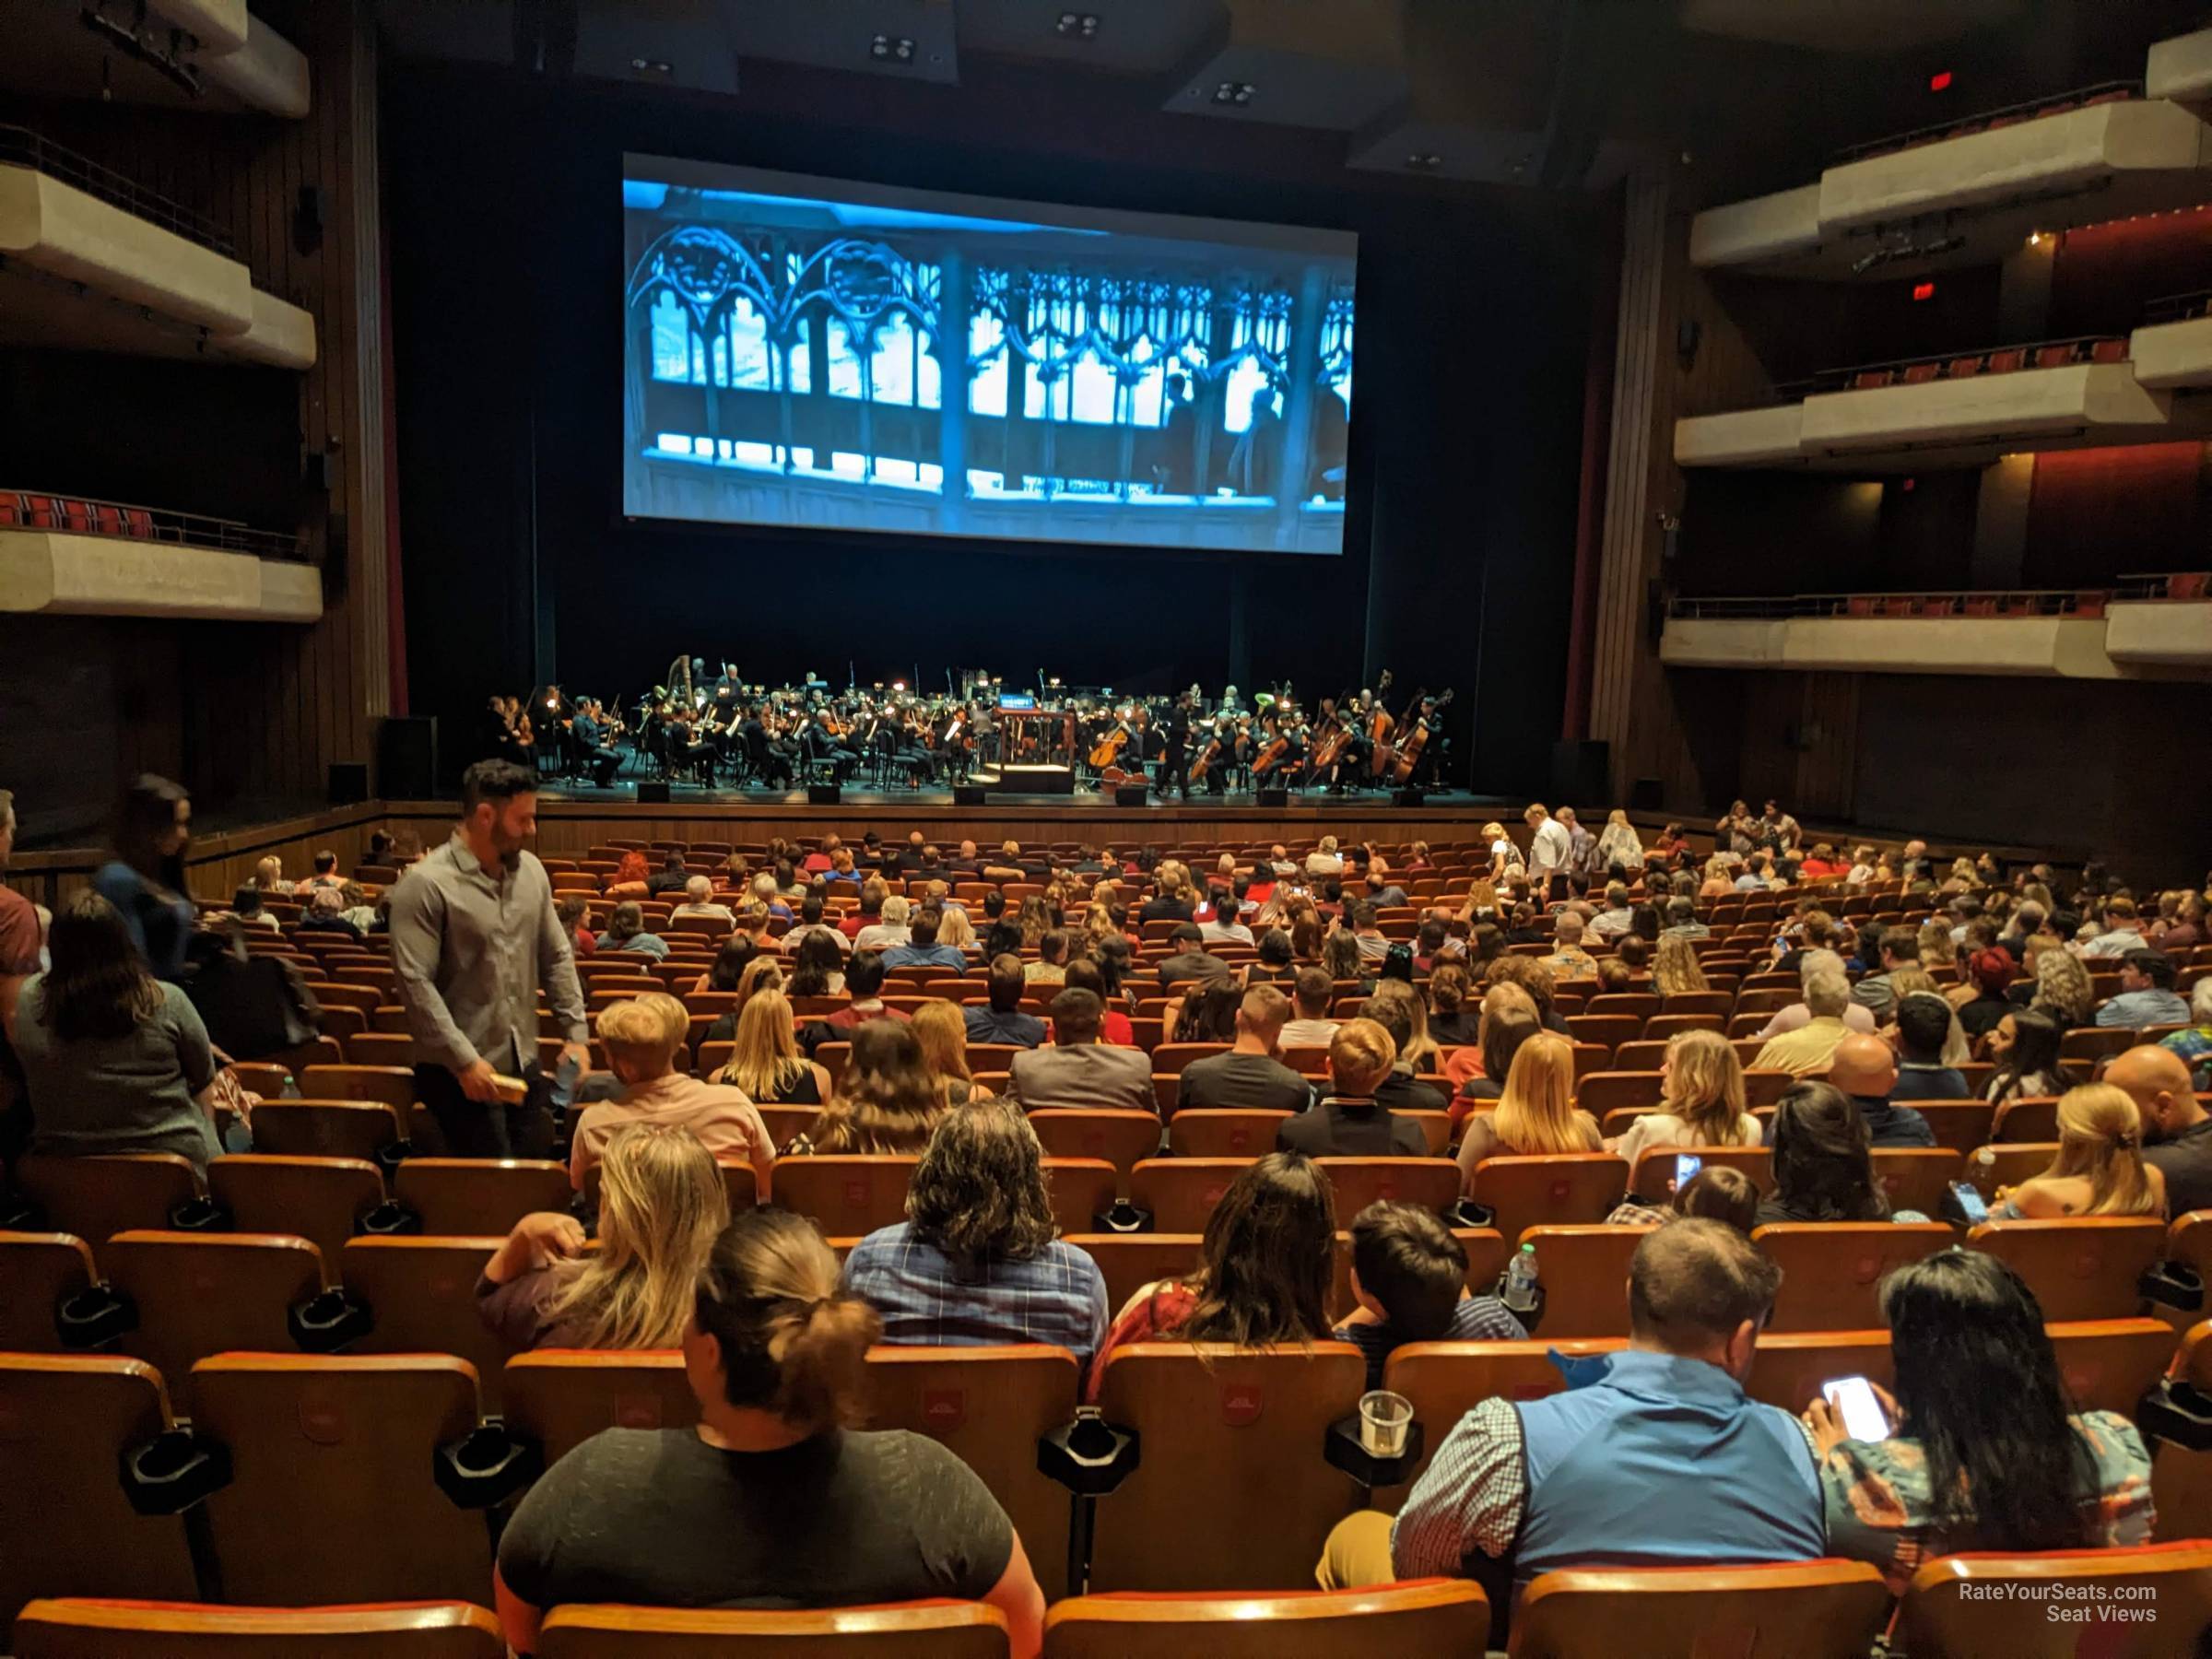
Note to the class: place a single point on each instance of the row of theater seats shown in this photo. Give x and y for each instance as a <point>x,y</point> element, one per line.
<point>2059,103</point>
<point>21,510</point>
<point>2003,359</point>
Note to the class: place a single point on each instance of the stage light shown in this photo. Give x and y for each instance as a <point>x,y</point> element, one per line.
<point>1923,290</point>
<point>898,686</point>
<point>1940,81</point>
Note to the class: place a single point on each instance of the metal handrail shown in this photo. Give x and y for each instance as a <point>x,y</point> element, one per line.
<point>114,519</point>
<point>2031,108</point>
<point>21,147</point>
<point>2178,308</point>
<point>2012,602</point>
<point>1788,390</point>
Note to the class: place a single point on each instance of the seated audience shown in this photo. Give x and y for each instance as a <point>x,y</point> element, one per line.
<point>626,930</point>
<point>1604,1472</point>
<point>643,1038</point>
<point>1535,1112</point>
<point>1206,1013</point>
<point>1823,1161</point>
<point>2175,1124</point>
<point>888,1101</point>
<point>1797,1016</point>
<point>1989,973</point>
<point>1098,978</point>
<point>1674,966</point>
<point>1719,1191</point>
<point>925,948</point>
<point>1265,1265</point>
<point>699,903</point>
<point>1409,1276</point>
<point>1813,1045</point>
<point>1924,1026</point>
<point>978,1259</point>
<point>766,1064</point>
<point>1395,1009</point>
<point>1078,1069</point>
<point>1190,960</point>
<point>2147,994</point>
<point>2025,1049</point>
<point>1534,977</point>
<point>1895,947</point>
<point>661,1204</point>
<point>1310,1026</point>
<point>2122,935</point>
<point>2100,1170</point>
<point>671,877</point>
<point>1985,1451</point>
<point>2194,1043</point>
<point>771,1499</point>
<point>1451,1020</point>
<point>891,930</point>
<point>1701,1099</point>
<point>864,984</point>
<point>325,912</point>
<point>944,1037</point>
<point>114,1060</point>
<point>1351,1120</point>
<point>1568,959</point>
<point>1004,1020</point>
<point>1865,1068</point>
<point>1508,1020</point>
<point>1251,1077</point>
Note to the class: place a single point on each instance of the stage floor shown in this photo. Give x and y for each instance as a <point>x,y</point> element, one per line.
<point>1241,801</point>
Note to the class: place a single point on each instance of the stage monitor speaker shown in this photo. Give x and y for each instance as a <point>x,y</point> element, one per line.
<point>653,794</point>
<point>1130,794</point>
<point>348,782</point>
<point>1409,797</point>
<point>1582,775</point>
<point>968,794</point>
<point>407,758</point>
<point>1647,794</point>
<point>824,795</point>
<point>1271,797</point>
<point>1037,779</point>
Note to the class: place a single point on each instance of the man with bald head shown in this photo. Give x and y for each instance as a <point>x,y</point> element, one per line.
<point>1865,1068</point>
<point>2177,1132</point>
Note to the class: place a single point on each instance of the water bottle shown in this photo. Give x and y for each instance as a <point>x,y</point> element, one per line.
<point>1521,1279</point>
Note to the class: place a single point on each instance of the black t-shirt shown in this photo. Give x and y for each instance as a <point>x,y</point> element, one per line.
<point>1164,909</point>
<point>2186,1163</point>
<point>1242,1083</point>
<point>660,1518</point>
<point>1335,1129</point>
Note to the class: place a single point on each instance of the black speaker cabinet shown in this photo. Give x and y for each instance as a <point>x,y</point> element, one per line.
<point>1130,794</point>
<point>348,782</point>
<point>407,758</point>
<point>1409,797</point>
<point>1037,779</point>
<point>653,794</point>
<point>968,794</point>
<point>824,795</point>
<point>1273,798</point>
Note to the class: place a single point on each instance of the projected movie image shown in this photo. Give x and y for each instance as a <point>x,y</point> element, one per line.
<point>804,353</point>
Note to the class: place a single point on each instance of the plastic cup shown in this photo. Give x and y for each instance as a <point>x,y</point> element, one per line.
<point>1384,1418</point>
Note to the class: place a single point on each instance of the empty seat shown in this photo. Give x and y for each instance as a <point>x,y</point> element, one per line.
<point>1232,1489</point>
<point>65,1526</point>
<point>121,1629</point>
<point>479,1196</point>
<point>1424,1618</point>
<point>1119,1137</point>
<point>988,1405</point>
<point>561,1397</point>
<point>2080,1267</point>
<point>1832,1271</point>
<point>317,1199</point>
<point>1584,1273</point>
<point>1558,1190</point>
<point>1978,1603</point>
<point>420,1293</point>
<point>1082,1190</point>
<point>1241,1133</point>
<point>207,1293</point>
<point>1792,1610</point>
<point>325,1128</point>
<point>1131,1261</point>
<point>931,1630</point>
<point>97,1198</point>
<point>1914,1178</point>
<point>2109,1364</point>
<point>333,1494</point>
<point>1960,1126</point>
<point>1608,1091</point>
<point>846,1196</point>
<point>393,1085</point>
<point>38,1273</point>
<point>2030,1118</point>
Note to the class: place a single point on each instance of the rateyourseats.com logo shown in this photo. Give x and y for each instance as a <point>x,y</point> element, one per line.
<point>2074,1603</point>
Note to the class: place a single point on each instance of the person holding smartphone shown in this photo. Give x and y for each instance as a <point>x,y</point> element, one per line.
<point>1978,1447</point>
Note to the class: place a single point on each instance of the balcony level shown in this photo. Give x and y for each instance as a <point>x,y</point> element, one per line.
<point>67,555</point>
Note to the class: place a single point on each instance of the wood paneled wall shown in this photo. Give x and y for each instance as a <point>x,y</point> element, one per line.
<point>251,711</point>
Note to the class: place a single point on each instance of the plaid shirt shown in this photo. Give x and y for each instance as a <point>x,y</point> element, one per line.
<point>929,1300</point>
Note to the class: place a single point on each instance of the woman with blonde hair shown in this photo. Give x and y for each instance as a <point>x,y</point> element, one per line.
<point>1938,949</point>
<point>1621,845</point>
<point>2063,988</point>
<point>1504,854</point>
<point>1676,968</point>
<point>2100,1169</point>
<point>943,1033</point>
<point>1535,1113</point>
<point>954,928</point>
<point>1718,882</point>
<point>1420,1050</point>
<point>661,1204</point>
<point>1702,1094</point>
<point>888,1099</point>
<point>1482,902</point>
<point>766,1062</point>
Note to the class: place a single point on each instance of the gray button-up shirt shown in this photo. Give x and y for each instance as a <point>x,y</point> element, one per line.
<point>472,953</point>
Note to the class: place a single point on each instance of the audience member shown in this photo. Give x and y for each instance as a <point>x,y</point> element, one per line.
<point>145,880</point>
<point>925,946</point>
<point>1812,1045</point>
<point>944,1037</point>
<point>1895,947</point>
<point>1084,974</point>
<point>1923,1027</point>
<point>1508,1020</point>
<point>864,984</point>
<point>1701,1099</point>
<point>1311,1028</point>
<point>699,905</point>
<point>1397,1010</point>
<point>765,1063</point>
<point>1251,1077</point>
<point>2025,1049</point>
<point>891,930</point>
<point>1535,1111</point>
<point>2100,1169</point>
<point>1190,960</point>
<point>1451,1020</point>
<point>1077,1069</point>
<point>1719,1191</point>
<point>1988,973</point>
<point>626,930</point>
<point>2175,1125</point>
<point>2147,996</point>
<point>1265,1265</point>
<point>1004,1020</point>
<point>2193,1042</point>
<point>888,1101</point>
<point>661,1204</point>
<point>771,1499</point>
<point>1410,1276</point>
<point>1351,1120</point>
<point>1675,970</point>
<point>2122,937</point>
<point>642,1038</point>
<point>1823,1160</point>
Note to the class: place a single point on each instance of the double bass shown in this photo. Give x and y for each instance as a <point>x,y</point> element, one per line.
<point>1108,749</point>
<point>1379,728</point>
<point>1409,752</point>
<point>1207,755</point>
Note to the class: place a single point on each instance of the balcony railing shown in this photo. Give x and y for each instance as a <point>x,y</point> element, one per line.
<point>20,146</point>
<point>1954,603</point>
<point>2057,103</point>
<point>74,515</point>
<point>1957,365</point>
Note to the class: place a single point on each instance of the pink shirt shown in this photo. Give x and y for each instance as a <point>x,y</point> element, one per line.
<point>723,1118</point>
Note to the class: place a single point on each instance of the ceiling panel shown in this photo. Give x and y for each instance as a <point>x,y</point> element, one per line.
<point>1114,36</point>
<point>843,34</point>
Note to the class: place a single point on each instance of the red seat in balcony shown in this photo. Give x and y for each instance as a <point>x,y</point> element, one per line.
<point>78,516</point>
<point>1859,605</point>
<point>2109,351</point>
<point>2189,584</point>
<point>138,522</point>
<point>44,512</point>
<point>1962,368</point>
<point>2055,357</point>
<point>2090,605</point>
<point>12,510</point>
<point>107,519</point>
<point>1866,380</point>
<point>1939,608</point>
<point>2004,362</point>
<point>1896,608</point>
<point>1919,374</point>
<point>2117,95</point>
<point>1983,606</point>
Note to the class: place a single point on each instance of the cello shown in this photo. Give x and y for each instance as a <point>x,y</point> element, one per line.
<point>1409,752</point>
<point>1108,749</point>
<point>1210,753</point>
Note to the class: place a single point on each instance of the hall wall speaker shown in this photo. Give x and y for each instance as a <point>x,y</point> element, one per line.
<point>1273,798</point>
<point>348,782</point>
<point>653,793</point>
<point>824,795</point>
<point>968,794</point>
<point>1130,794</point>
<point>407,758</point>
<point>1582,775</point>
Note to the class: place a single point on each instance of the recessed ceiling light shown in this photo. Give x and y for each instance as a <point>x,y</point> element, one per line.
<point>659,67</point>
<point>1078,26</point>
<point>895,49</point>
<point>1425,160</point>
<point>1234,92</point>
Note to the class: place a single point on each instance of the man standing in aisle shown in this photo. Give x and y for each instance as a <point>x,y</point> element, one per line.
<point>473,940</point>
<point>1549,849</point>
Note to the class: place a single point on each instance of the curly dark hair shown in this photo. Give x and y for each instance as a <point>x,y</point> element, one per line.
<point>980,1192</point>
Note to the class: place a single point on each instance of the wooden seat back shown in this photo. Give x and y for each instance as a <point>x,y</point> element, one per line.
<point>1832,1272</point>
<point>561,1397</point>
<point>1121,1138</point>
<point>1550,1191</point>
<point>39,1271</point>
<point>420,1293</point>
<point>325,1128</point>
<point>847,1196</point>
<point>2000,1604</point>
<point>392,1085</point>
<point>1131,1261</point>
<point>479,1197</point>
<point>1828,1610</point>
<point>1421,1619</point>
<point>2079,1266</point>
<point>210,1293</point>
<point>317,1199</point>
<point>1585,1272</point>
<point>121,1629</point>
<point>1182,1192</point>
<point>98,1197</point>
<point>933,1630</point>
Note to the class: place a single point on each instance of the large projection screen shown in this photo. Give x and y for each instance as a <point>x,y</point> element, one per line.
<point>815,354</point>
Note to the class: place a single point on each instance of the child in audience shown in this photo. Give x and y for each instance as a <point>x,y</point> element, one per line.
<point>1409,1276</point>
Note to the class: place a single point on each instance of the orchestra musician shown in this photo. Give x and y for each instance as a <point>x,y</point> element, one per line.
<point>1174,742</point>
<point>592,747</point>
